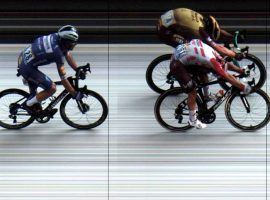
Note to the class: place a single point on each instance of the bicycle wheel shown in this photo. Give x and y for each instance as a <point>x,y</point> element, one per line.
<point>257,72</point>
<point>12,116</point>
<point>156,73</point>
<point>171,110</point>
<point>88,113</point>
<point>253,116</point>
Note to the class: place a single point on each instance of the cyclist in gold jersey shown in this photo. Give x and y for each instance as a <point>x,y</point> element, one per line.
<point>185,24</point>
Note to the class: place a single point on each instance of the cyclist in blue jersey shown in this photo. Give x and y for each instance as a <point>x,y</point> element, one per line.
<point>45,50</point>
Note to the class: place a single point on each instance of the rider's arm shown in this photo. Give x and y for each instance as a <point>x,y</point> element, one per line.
<point>230,78</point>
<point>71,61</point>
<point>65,82</point>
<point>225,37</point>
<point>219,48</point>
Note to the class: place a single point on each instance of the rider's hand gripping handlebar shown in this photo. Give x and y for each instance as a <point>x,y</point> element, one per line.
<point>82,70</point>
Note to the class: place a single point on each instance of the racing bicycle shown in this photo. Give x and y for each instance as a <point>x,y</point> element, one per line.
<point>87,113</point>
<point>159,68</point>
<point>246,112</point>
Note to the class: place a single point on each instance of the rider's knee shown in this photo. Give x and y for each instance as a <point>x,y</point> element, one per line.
<point>189,86</point>
<point>52,89</point>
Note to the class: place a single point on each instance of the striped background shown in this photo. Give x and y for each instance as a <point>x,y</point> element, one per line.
<point>130,156</point>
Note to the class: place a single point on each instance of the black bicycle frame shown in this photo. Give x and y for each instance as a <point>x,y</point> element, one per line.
<point>219,102</point>
<point>55,101</point>
<point>63,94</point>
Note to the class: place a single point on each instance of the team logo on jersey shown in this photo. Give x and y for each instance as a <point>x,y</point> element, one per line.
<point>47,44</point>
<point>28,54</point>
<point>167,18</point>
<point>180,51</point>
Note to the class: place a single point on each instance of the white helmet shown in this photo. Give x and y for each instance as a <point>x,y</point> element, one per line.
<point>68,33</point>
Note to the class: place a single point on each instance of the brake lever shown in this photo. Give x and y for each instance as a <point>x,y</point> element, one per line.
<point>245,50</point>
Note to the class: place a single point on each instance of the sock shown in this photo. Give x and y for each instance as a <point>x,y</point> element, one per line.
<point>32,101</point>
<point>192,115</point>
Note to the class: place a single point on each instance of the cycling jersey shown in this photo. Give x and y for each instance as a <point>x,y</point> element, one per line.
<point>44,50</point>
<point>180,23</point>
<point>200,54</point>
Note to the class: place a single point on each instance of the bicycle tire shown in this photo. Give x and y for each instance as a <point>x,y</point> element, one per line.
<point>260,66</point>
<point>16,126</point>
<point>174,91</point>
<point>232,120</point>
<point>150,70</point>
<point>73,124</point>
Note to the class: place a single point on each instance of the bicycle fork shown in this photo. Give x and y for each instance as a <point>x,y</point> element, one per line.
<point>245,102</point>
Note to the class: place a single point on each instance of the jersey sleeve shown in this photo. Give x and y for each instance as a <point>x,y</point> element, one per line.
<point>218,68</point>
<point>59,57</point>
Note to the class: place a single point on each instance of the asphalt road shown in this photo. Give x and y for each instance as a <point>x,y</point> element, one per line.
<point>130,156</point>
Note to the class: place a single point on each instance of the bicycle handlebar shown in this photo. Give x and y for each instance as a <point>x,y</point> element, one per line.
<point>240,36</point>
<point>80,74</point>
<point>82,70</point>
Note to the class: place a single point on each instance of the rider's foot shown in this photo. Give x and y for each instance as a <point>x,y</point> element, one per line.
<point>34,109</point>
<point>197,124</point>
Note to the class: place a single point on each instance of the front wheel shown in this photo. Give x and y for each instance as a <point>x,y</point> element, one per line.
<point>257,72</point>
<point>250,112</point>
<point>88,113</point>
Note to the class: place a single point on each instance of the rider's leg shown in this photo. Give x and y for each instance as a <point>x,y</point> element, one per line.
<point>39,79</point>
<point>42,95</point>
<point>186,82</point>
<point>191,102</point>
<point>204,79</point>
<point>46,93</point>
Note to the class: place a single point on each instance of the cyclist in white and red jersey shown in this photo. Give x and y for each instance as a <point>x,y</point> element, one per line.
<point>205,59</point>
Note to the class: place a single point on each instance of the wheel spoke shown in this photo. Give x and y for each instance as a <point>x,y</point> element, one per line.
<point>258,115</point>
<point>21,118</point>
<point>94,112</point>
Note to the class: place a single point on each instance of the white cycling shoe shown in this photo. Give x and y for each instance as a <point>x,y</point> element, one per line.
<point>197,124</point>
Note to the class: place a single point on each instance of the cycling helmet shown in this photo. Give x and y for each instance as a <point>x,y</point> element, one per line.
<point>68,33</point>
<point>212,27</point>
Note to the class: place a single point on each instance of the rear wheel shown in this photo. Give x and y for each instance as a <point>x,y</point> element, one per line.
<point>249,112</point>
<point>156,74</point>
<point>171,110</point>
<point>12,115</point>
<point>88,113</point>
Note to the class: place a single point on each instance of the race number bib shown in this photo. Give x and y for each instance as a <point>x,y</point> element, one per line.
<point>167,18</point>
<point>28,55</point>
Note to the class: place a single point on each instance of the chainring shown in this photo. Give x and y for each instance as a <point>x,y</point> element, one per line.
<point>207,118</point>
